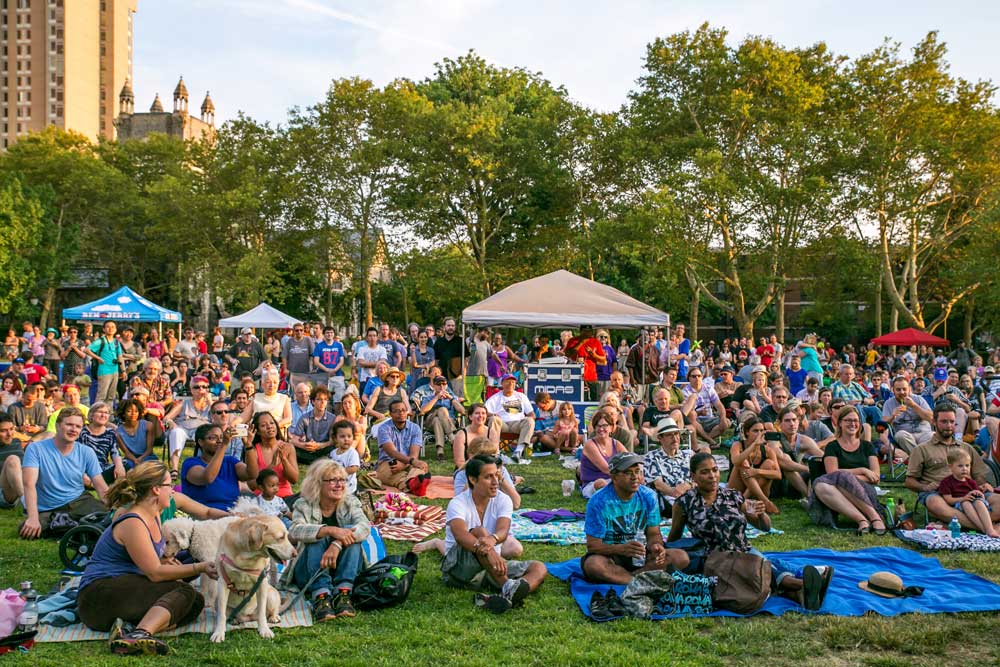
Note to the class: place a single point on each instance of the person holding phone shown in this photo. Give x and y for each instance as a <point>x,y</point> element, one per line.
<point>754,464</point>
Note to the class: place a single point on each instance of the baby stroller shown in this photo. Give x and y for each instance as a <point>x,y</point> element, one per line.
<point>77,545</point>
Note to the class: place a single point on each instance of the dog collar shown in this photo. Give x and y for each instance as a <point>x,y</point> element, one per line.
<point>225,560</point>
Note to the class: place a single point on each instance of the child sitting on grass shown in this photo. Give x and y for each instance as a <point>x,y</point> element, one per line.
<point>269,500</point>
<point>342,433</point>
<point>963,493</point>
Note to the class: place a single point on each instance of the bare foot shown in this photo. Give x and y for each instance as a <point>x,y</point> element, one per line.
<point>771,508</point>
<point>429,545</point>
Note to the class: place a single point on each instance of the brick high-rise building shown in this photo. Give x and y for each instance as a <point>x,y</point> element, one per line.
<point>62,63</point>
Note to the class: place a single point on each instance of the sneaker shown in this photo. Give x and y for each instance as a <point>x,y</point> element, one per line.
<point>515,590</point>
<point>599,611</point>
<point>342,605</point>
<point>322,609</point>
<point>614,604</point>
<point>497,604</point>
<point>138,642</point>
<point>119,629</point>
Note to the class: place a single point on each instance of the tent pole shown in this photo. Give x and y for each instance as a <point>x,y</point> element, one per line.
<point>463,359</point>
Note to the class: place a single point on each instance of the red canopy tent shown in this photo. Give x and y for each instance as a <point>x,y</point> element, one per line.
<point>910,336</point>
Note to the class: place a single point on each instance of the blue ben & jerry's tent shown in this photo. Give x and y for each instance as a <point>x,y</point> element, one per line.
<point>123,304</point>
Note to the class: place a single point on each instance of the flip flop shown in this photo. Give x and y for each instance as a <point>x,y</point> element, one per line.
<point>526,490</point>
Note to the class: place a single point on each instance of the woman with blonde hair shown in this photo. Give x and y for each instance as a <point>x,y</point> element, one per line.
<point>127,580</point>
<point>329,526</point>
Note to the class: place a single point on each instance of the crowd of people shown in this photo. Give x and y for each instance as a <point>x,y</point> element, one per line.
<point>153,427</point>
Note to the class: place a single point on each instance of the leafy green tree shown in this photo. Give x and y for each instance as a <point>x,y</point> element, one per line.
<point>342,167</point>
<point>22,216</point>
<point>926,172</point>
<point>483,160</point>
<point>737,137</point>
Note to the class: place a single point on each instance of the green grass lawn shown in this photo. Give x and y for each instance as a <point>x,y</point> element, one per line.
<point>438,625</point>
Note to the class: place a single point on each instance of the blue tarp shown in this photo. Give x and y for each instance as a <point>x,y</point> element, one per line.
<point>123,304</point>
<point>944,590</point>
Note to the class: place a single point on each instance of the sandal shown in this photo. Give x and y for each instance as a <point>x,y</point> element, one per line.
<point>865,528</point>
<point>879,531</point>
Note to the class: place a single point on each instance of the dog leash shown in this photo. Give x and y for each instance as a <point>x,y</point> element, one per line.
<point>301,591</point>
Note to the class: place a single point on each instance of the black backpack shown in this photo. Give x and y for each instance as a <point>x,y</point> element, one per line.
<point>385,584</point>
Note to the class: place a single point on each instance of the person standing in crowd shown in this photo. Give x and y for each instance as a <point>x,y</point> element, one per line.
<point>448,352</point>
<point>246,354</point>
<point>367,357</point>
<point>297,356</point>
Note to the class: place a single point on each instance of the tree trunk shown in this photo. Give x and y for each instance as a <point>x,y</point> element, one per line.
<point>47,303</point>
<point>779,321</point>
<point>695,303</point>
<point>878,305</point>
<point>970,307</point>
<point>894,319</point>
<point>369,316</point>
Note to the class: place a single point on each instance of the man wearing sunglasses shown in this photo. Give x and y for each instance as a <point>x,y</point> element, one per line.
<point>185,416</point>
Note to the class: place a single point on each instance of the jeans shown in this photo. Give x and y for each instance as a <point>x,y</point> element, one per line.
<point>872,415</point>
<point>349,564</point>
<point>778,569</point>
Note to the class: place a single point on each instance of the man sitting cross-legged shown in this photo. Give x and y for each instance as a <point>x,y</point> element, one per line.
<point>477,524</point>
<point>615,516</point>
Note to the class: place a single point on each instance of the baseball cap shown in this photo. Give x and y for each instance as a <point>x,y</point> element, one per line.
<point>989,369</point>
<point>19,360</point>
<point>508,376</point>
<point>666,425</point>
<point>940,374</point>
<point>727,369</point>
<point>623,461</point>
<point>246,330</point>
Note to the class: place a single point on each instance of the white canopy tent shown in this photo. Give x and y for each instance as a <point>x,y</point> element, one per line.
<point>260,317</point>
<point>563,299</point>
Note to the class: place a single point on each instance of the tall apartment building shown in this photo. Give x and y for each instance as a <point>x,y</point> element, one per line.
<point>62,63</point>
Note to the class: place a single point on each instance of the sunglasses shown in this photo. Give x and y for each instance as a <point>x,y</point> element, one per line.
<point>199,386</point>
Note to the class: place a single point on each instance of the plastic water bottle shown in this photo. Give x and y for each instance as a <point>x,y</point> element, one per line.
<point>27,621</point>
<point>955,527</point>
<point>890,508</point>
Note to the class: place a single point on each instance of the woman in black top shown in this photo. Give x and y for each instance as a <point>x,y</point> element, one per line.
<point>851,472</point>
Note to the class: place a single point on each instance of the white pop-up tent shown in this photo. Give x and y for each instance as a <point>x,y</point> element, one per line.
<point>260,317</point>
<point>563,299</point>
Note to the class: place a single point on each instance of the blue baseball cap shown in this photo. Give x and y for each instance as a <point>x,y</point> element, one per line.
<point>940,374</point>
<point>508,376</point>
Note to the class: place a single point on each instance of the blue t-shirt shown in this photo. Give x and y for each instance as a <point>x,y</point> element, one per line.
<point>109,354</point>
<point>616,521</point>
<point>60,477</point>
<point>684,347</point>
<point>402,440</point>
<point>220,494</point>
<point>796,380</point>
<point>329,354</point>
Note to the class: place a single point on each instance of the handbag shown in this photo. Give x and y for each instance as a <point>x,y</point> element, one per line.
<point>743,580</point>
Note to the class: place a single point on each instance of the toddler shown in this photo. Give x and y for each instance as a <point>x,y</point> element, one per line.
<point>269,500</point>
<point>567,429</point>
<point>342,433</point>
<point>963,493</point>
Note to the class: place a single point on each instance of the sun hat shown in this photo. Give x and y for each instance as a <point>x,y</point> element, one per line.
<point>759,369</point>
<point>666,425</point>
<point>392,371</point>
<point>246,330</point>
<point>889,585</point>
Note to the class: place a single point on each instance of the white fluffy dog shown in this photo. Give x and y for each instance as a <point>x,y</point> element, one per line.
<point>201,538</point>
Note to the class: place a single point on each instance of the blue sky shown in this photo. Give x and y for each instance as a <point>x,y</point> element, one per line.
<point>264,56</point>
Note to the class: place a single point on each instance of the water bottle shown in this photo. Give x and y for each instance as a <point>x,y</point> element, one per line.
<point>955,527</point>
<point>890,508</point>
<point>27,621</point>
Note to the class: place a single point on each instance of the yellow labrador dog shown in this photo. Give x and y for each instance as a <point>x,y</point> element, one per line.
<point>245,550</point>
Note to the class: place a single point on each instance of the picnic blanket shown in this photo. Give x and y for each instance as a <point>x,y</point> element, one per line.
<point>298,615</point>
<point>441,487</point>
<point>564,533</point>
<point>412,525</point>
<point>944,590</point>
<point>941,540</point>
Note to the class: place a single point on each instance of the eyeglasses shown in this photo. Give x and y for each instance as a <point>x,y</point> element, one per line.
<point>222,412</point>
<point>335,481</point>
<point>212,438</point>
<point>199,386</point>
<point>634,473</point>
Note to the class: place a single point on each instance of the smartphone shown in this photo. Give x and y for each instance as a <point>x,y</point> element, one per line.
<point>772,436</point>
<point>242,430</point>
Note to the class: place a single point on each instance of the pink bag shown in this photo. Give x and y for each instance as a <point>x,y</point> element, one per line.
<point>11,605</point>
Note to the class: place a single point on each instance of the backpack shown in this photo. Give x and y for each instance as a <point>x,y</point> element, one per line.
<point>385,584</point>
<point>743,580</point>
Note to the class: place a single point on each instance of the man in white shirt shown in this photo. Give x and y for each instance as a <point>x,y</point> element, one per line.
<point>514,412</point>
<point>476,524</point>
<point>709,416</point>
<point>367,356</point>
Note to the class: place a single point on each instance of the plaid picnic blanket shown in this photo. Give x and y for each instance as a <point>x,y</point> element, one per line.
<point>409,525</point>
<point>941,540</point>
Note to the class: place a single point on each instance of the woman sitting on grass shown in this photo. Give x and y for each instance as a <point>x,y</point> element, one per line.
<point>755,465</point>
<point>718,517</point>
<point>851,472</point>
<point>128,581</point>
<point>594,472</point>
